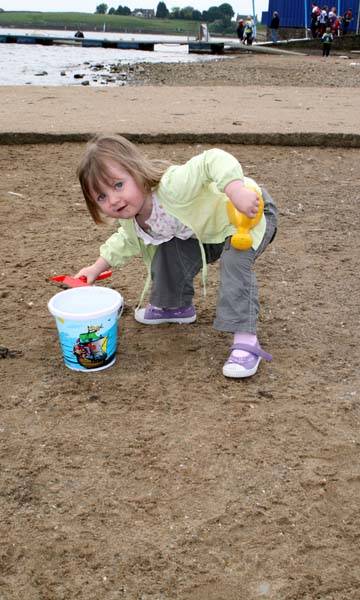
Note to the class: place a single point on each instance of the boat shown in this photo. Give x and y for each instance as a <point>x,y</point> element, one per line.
<point>90,348</point>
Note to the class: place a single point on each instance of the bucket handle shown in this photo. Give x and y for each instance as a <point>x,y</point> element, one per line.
<point>120,311</point>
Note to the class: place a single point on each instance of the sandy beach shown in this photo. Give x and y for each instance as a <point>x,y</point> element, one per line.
<point>250,99</point>
<point>159,479</point>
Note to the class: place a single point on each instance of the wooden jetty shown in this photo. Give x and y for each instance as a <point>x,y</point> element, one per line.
<point>45,40</point>
<point>194,46</point>
<point>148,45</point>
<point>198,47</point>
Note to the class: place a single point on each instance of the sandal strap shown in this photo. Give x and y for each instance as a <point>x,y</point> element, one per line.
<point>256,350</point>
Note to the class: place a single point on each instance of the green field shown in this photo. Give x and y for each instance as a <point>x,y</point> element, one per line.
<point>92,22</point>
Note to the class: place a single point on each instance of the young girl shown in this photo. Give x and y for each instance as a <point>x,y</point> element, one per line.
<point>327,40</point>
<point>176,218</point>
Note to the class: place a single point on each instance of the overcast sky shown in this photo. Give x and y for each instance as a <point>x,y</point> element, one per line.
<point>240,6</point>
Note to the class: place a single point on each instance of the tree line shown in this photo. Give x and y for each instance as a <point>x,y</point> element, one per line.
<point>222,13</point>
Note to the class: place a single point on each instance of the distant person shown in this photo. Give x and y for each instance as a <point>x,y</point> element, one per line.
<point>314,23</point>
<point>274,26</point>
<point>249,31</point>
<point>240,30</point>
<point>323,20</point>
<point>336,27</point>
<point>175,217</point>
<point>203,32</point>
<point>327,40</point>
<point>79,34</point>
<point>334,22</point>
<point>332,16</point>
<point>346,20</point>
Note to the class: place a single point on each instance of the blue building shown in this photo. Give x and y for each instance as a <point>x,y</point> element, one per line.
<point>296,13</point>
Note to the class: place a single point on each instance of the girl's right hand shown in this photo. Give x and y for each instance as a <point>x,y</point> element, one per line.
<point>93,271</point>
<point>89,272</point>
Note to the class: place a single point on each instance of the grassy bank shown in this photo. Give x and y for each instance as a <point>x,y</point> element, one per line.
<point>92,22</point>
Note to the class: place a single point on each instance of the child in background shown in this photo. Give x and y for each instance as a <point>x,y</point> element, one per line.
<point>248,36</point>
<point>327,40</point>
<point>175,217</point>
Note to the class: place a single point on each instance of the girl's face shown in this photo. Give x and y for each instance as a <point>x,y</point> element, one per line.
<point>122,198</point>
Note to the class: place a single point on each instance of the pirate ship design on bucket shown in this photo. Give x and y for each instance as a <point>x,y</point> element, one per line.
<point>90,348</point>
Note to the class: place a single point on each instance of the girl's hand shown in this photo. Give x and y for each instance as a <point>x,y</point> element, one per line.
<point>93,271</point>
<point>89,272</point>
<point>246,201</point>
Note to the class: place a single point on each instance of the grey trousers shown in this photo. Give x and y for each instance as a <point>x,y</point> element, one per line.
<point>176,263</point>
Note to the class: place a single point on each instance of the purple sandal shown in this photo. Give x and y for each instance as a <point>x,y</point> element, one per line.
<point>244,366</point>
<point>151,315</point>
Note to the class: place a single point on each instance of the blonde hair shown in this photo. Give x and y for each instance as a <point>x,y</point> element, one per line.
<point>93,170</point>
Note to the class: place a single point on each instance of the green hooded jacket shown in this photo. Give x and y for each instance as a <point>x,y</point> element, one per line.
<point>194,194</point>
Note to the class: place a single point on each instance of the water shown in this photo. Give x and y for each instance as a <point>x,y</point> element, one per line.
<point>22,64</point>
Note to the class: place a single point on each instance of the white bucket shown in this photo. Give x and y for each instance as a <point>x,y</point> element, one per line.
<point>86,318</point>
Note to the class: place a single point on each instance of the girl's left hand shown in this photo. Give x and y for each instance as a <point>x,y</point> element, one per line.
<point>245,201</point>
